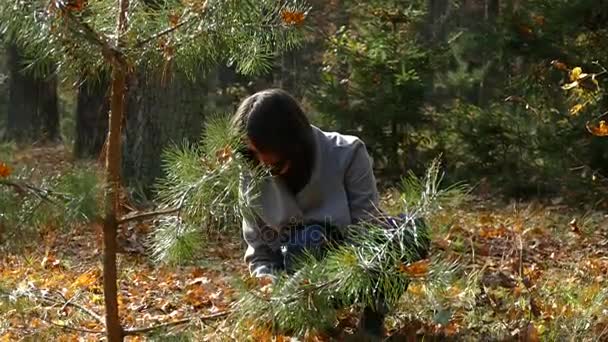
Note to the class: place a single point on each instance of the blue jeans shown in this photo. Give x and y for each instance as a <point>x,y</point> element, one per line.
<point>315,238</point>
<point>310,239</point>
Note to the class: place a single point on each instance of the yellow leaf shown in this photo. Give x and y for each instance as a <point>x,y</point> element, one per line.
<point>576,109</point>
<point>575,74</point>
<point>415,289</point>
<point>599,131</point>
<point>85,280</point>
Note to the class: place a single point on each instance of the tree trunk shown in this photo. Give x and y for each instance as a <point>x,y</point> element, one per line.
<point>437,9</point>
<point>91,118</point>
<point>110,226</point>
<point>32,107</point>
<point>160,114</point>
<point>114,330</point>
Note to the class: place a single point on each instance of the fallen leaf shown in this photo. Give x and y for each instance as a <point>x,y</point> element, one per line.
<point>174,20</point>
<point>532,333</point>
<point>49,261</point>
<point>535,308</point>
<point>417,269</point>
<point>574,226</point>
<point>491,233</point>
<point>291,17</point>
<point>559,65</point>
<point>5,171</point>
<point>199,280</point>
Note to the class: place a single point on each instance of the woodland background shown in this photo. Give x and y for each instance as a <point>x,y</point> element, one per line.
<point>510,94</point>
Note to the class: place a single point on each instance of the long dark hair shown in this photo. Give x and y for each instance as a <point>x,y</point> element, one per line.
<point>275,123</point>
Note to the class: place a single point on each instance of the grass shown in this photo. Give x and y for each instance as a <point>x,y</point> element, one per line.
<point>527,271</point>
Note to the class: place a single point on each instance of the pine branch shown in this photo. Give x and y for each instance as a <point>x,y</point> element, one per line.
<point>111,53</point>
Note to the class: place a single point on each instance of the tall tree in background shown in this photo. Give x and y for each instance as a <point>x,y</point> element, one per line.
<point>377,65</point>
<point>32,110</point>
<point>91,117</point>
<point>117,36</point>
<point>161,112</point>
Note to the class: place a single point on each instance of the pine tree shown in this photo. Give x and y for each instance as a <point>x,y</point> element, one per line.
<point>79,38</point>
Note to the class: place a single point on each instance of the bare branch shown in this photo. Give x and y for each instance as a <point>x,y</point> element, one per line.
<point>162,33</point>
<point>172,28</point>
<point>77,306</point>
<point>147,215</point>
<point>112,53</point>
<point>177,210</point>
<point>43,194</point>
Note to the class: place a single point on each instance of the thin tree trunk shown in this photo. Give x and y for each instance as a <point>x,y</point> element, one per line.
<point>110,227</point>
<point>113,164</point>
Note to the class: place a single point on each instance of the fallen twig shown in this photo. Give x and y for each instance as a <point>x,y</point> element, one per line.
<point>88,311</point>
<point>69,327</point>
<point>137,331</point>
<point>43,194</point>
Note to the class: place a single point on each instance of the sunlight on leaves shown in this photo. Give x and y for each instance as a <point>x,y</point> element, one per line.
<point>569,86</point>
<point>576,74</point>
<point>575,110</point>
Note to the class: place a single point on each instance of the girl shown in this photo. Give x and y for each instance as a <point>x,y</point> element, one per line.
<point>321,182</point>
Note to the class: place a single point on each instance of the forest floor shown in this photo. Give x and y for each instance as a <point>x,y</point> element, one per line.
<point>528,271</point>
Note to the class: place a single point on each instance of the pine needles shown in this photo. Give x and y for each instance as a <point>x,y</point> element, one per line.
<point>202,182</point>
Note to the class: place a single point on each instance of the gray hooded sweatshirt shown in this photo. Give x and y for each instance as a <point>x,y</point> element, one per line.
<point>341,191</point>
